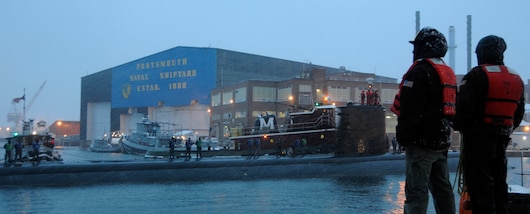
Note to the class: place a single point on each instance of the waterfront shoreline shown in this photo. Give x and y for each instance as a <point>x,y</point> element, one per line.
<point>81,167</point>
<point>89,171</point>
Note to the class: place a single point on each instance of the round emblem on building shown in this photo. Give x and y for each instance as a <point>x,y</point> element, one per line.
<point>126,91</point>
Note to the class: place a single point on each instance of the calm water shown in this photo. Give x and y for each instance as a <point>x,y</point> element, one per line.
<point>366,195</point>
<point>380,194</point>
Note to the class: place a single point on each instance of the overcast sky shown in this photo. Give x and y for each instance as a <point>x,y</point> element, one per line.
<point>60,41</point>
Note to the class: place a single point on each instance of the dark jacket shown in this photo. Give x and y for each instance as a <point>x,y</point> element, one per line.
<point>472,93</point>
<point>421,120</point>
<point>471,101</point>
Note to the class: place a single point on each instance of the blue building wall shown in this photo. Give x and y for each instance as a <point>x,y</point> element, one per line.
<point>177,77</point>
<point>174,77</point>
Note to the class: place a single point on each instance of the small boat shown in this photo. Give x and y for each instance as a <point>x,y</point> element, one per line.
<point>317,126</point>
<point>46,149</point>
<point>345,131</point>
<point>106,143</point>
<point>147,138</point>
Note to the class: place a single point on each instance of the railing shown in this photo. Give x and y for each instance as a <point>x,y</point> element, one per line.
<point>322,122</point>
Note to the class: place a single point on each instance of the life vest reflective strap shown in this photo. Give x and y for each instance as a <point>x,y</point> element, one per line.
<point>448,82</point>
<point>491,68</point>
<point>504,91</point>
<point>437,61</point>
<point>511,71</point>
<point>396,105</point>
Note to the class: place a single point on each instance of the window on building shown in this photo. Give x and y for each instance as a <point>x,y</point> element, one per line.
<point>339,93</point>
<point>304,88</point>
<point>282,114</point>
<point>387,95</point>
<point>228,98</point>
<point>216,117</point>
<point>216,99</point>
<point>357,95</point>
<point>228,116</point>
<point>284,93</point>
<point>255,113</point>
<point>263,94</point>
<point>305,99</point>
<point>240,95</point>
<point>226,131</point>
<point>240,114</point>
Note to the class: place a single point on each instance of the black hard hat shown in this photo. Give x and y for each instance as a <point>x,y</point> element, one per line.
<point>429,43</point>
<point>490,50</point>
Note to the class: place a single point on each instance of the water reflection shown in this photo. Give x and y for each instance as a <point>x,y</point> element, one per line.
<point>369,193</point>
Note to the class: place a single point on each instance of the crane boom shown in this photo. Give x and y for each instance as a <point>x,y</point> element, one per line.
<point>26,109</point>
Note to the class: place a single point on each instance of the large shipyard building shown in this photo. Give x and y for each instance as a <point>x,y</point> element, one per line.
<point>174,87</point>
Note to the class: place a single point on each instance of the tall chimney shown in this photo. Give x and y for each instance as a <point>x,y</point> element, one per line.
<point>417,21</point>
<point>452,47</point>
<point>469,43</point>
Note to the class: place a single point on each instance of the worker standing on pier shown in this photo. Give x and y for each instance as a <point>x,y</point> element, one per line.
<point>172,148</point>
<point>257,146</point>
<point>18,150</point>
<point>490,105</point>
<point>279,148</point>
<point>363,97</point>
<point>8,151</point>
<point>199,148</point>
<point>425,105</point>
<point>36,150</point>
<point>188,148</point>
<point>249,147</point>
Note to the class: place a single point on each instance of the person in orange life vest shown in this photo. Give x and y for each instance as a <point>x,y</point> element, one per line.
<point>369,97</point>
<point>490,105</point>
<point>363,97</point>
<point>376,98</point>
<point>425,106</point>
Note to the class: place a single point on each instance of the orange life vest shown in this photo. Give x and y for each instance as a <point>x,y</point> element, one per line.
<point>504,91</point>
<point>447,80</point>
<point>465,203</point>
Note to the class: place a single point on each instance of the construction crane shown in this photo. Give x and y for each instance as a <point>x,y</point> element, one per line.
<point>26,108</point>
<point>16,116</point>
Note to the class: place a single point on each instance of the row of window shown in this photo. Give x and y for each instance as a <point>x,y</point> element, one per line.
<point>284,93</point>
<point>259,94</point>
<point>243,114</point>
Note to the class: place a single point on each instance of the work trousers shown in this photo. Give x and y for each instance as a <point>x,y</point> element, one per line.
<point>485,168</point>
<point>427,170</point>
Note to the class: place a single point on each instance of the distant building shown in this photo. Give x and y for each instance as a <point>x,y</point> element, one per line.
<point>63,128</point>
<point>235,107</point>
<point>175,86</point>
